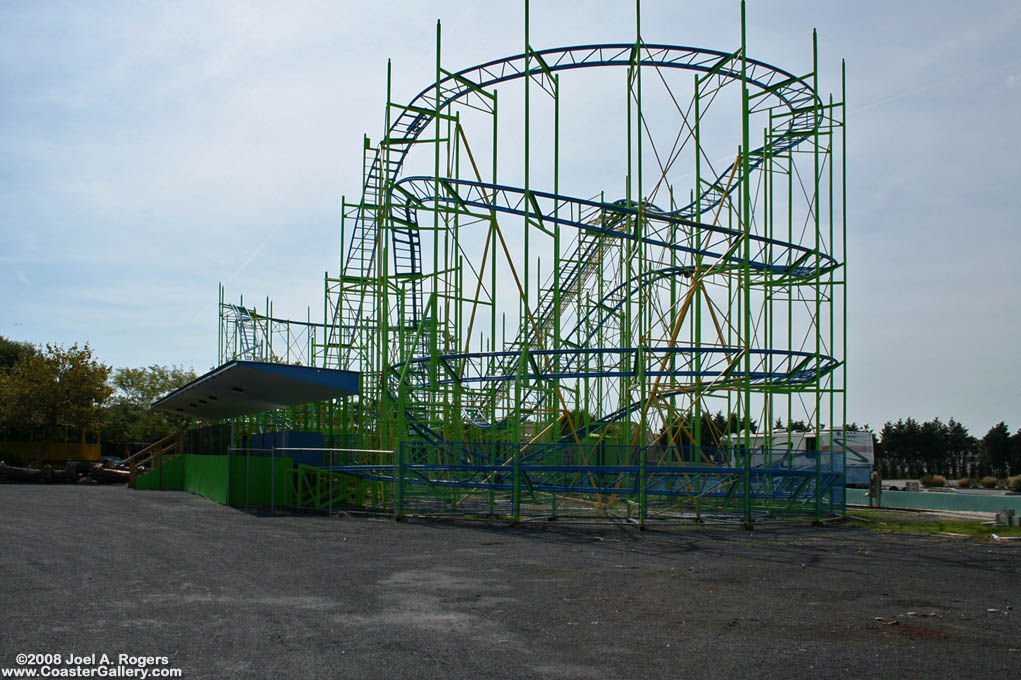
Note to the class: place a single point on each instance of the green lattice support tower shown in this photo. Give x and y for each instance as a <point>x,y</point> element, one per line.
<point>626,352</point>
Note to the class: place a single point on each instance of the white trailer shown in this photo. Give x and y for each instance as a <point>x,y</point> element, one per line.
<point>801,450</point>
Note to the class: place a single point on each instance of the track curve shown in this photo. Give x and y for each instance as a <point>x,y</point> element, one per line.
<point>383,186</point>
<point>777,85</point>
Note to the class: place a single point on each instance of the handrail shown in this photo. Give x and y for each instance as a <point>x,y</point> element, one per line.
<point>172,444</point>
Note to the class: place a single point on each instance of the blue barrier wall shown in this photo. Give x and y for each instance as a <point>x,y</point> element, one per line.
<point>292,439</point>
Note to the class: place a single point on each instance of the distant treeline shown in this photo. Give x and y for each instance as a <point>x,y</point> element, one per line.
<point>54,393</point>
<point>908,448</point>
<point>47,391</point>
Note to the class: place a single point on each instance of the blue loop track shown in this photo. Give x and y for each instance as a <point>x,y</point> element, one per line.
<point>797,115</point>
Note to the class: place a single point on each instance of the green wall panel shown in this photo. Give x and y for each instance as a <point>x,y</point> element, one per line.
<point>207,476</point>
<point>250,480</point>
<point>173,476</point>
<point>251,484</point>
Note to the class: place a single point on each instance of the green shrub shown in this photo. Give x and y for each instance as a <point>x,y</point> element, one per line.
<point>989,482</point>
<point>933,481</point>
<point>964,483</point>
<point>1014,483</point>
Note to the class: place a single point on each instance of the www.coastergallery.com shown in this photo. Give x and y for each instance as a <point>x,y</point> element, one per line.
<point>90,672</point>
<point>90,666</point>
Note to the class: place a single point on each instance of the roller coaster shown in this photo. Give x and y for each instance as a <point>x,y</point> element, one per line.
<point>626,380</point>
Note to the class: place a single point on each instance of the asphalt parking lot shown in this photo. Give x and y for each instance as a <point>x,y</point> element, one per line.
<point>223,593</point>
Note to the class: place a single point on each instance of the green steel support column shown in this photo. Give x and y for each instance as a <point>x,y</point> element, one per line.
<point>587,384</point>
<point>326,299</point>
<point>644,323</point>
<point>522,371</point>
<point>830,288</point>
<point>697,339</point>
<point>492,268</point>
<point>730,304</point>
<point>453,415</point>
<point>627,265</point>
<point>817,278</point>
<point>522,320</point>
<point>399,481</point>
<point>386,438</point>
<point>555,391</point>
<point>843,244</point>
<point>219,324</point>
<point>332,323</point>
<point>600,338</point>
<point>767,290</point>
<point>746,218</point>
<point>790,293</point>
<point>667,422</point>
<point>435,321</point>
<point>523,304</point>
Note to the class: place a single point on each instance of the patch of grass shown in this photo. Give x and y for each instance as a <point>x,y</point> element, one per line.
<point>902,523</point>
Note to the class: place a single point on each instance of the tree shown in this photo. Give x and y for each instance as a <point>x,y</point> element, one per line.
<point>794,426</point>
<point>932,446</point>
<point>143,386</point>
<point>58,387</point>
<point>960,447</point>
<point>129,420</point>
<point>11,351</point>
<point>562,430</point>
<point>697,440</point>
<point>1015,453</point>
<point>730,424</point>
<point>995,449</point>
<point>901,451</point>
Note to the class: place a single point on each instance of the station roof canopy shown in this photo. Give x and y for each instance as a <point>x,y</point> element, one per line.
<point>244,387</point>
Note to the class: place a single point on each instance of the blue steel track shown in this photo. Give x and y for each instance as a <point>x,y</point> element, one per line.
<point>776,89</point>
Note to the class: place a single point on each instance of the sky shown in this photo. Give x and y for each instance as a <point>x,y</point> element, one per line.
<point>151,150</point>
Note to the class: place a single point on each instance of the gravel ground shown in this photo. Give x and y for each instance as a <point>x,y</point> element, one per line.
<point>224,593</point>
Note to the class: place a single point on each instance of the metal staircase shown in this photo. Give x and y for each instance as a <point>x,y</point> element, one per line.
<point>245,338</point>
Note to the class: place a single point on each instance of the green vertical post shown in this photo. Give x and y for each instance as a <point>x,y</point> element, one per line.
<point>555,385</point>
<point>697,325</point>
<point>643,311</point>
<point>492,268</point>
<point>816,280</point>
<point>384,428</point>
<point>435,321</point>
<point>746,219</point>
<point>399,481</point>
<point>528,81</point>
<point>843,247</point>
<point>523,306</point>
<point>831,289</point>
